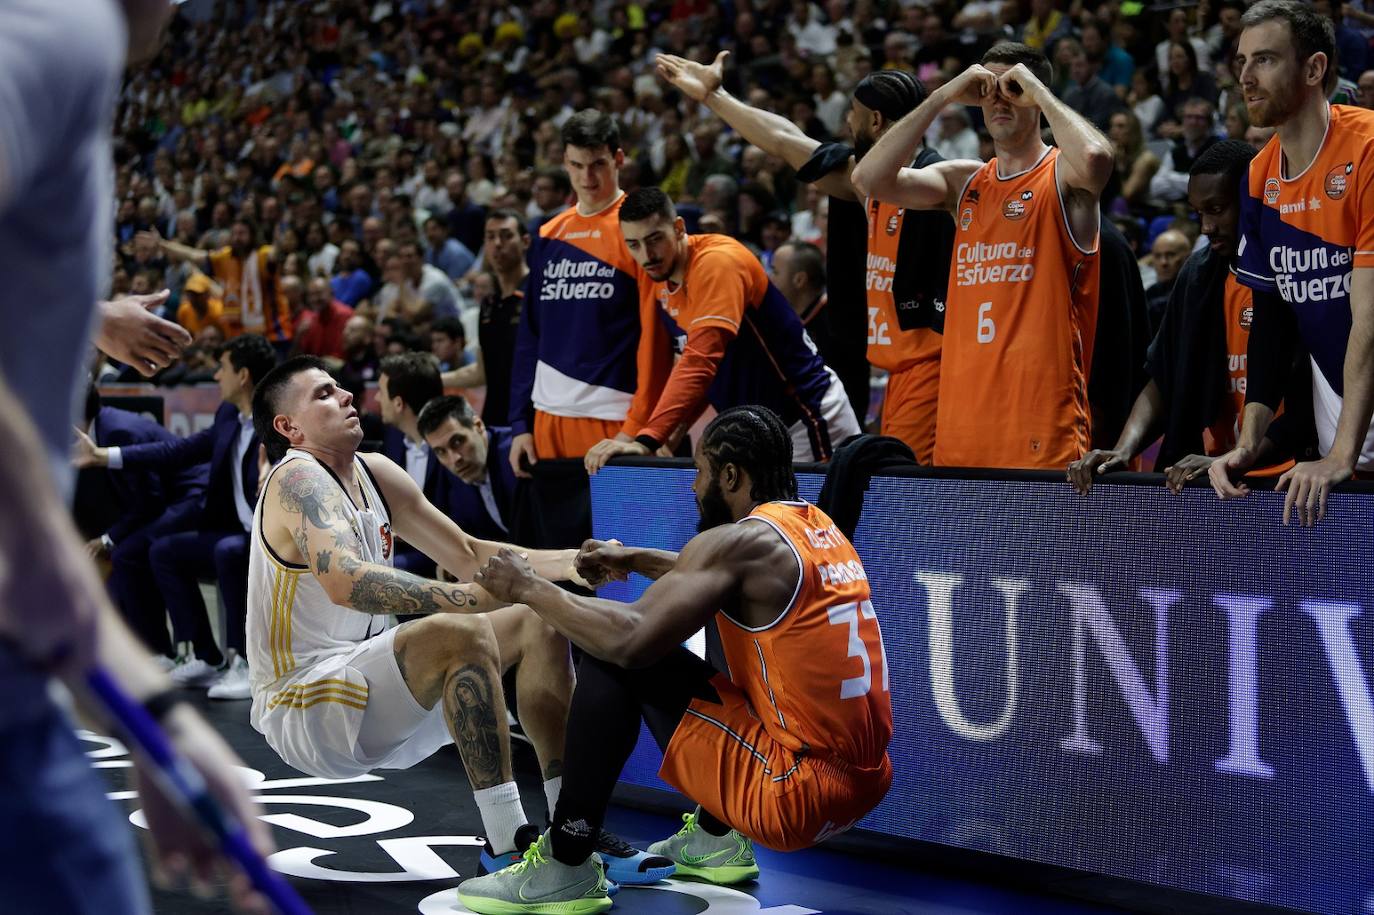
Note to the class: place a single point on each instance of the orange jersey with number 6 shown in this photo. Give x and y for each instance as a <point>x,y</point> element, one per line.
<point>1019,322</point>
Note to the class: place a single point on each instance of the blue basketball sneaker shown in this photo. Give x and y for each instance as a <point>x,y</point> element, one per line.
<point>627,865</point>
<point>489,863</point>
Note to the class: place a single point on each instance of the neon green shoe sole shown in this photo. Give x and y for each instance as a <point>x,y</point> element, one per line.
<point>721,876</point>
<point>483,906</point>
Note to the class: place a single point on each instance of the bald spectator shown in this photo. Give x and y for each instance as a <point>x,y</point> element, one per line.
<point>1170,183</point>
<point>359,353</point>
<point>1167,255</point>
<point>321,328</point>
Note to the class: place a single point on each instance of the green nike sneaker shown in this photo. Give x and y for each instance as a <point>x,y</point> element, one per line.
<point>539,885</point>
<point>722,860</point>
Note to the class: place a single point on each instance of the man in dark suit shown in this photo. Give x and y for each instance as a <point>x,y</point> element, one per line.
<point>218,546</point>
<point>408,381</point>
<point>482,491</point>
<point>152,503</point>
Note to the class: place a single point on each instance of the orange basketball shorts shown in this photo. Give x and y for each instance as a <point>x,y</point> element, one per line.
<point>722,758</point>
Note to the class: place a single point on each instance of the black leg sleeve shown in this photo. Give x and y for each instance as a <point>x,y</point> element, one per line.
<point>603,727</point>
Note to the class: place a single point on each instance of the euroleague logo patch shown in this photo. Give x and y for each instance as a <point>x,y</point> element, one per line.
<point>1271,191</point>
<point>1338,180</point>
<point>1247,314</point>
<point>1017,207</point>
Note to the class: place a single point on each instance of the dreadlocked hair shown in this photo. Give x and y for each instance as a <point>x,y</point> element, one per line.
<point>755,440</point>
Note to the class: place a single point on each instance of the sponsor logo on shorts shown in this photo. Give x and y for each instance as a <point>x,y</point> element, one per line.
<point>1338,180</point>
<point>1271,191</point>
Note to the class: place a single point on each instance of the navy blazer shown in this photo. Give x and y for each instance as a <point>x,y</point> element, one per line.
<point>465,500</point>
<point>435,488</point>
<point>215,445</point>
<point>144,494</point>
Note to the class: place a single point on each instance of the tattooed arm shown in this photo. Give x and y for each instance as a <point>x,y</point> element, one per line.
<point>304,522</point>
<point>416,521</point>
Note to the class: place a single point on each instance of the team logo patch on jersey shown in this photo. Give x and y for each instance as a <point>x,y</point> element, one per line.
<point>894,222</point>
<point>1017,207</point>
<point>1247,314</point>
<point>965,219</point>
<point>1271,191</point>
<point>385,531</point>
<point>1337,180</point>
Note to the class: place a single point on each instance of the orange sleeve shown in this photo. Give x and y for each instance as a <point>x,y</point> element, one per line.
<point>653,360</point>
<point>718,292</point>
<point>684,397</point>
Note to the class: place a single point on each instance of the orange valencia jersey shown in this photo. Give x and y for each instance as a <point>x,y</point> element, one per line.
<point>1238,309</point>
<point>1021,314</point>
<point>261,311</point>
<point>889,347</point>
<point>817,677</point>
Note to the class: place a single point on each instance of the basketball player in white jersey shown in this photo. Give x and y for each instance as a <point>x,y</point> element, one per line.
<point>338,688</point>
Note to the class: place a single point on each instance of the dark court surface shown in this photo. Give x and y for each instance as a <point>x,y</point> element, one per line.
<point>400,841</point>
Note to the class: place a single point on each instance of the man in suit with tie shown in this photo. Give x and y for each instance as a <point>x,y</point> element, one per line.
<point>218,546</point>
<point>408,381</point>
<point>482,487</point>
<point>152,503</point>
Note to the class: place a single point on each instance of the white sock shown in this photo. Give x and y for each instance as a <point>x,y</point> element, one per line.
<point>551,788</point>
<point>502,815</point>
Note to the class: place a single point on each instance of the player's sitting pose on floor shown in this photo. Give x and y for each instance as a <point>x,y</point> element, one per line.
<point>338,688</point>
<point>789,749</point>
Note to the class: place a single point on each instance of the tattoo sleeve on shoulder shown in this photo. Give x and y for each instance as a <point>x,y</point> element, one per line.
<point>305,491</point>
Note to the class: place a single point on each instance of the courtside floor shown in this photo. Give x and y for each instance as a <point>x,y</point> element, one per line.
<point>400,841</point>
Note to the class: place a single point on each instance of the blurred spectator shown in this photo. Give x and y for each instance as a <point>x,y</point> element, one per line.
<point>1366,89</point>
<point>360,354</point>
<point>1170,183</point>
<point>1135,164</point>
<point>1185,82</point>
<point>448,343</point>
<point>1145,100</point>
<point>1114,66</point>
<point>416,290</point>
<point>1237,121</point>
<point>448,254</point>
<point>955,138</point>
<point>465,217</point>
<point>350,283</point>
<point>1259,137</point>
<point>1167,255</point>
<point>199,308</point>
<point>549,196</point>
<point>320,331</point>
<point>1087,94</point>
<point>321,253</point>
<point>708,159</point>
<point>1045,26</point>
<point>1352,48</point>
<point>1176,25</point>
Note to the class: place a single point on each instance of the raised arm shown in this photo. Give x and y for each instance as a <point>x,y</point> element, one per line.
<point>304,520</point>
<point>418,522</point>
<point>1086,158</point>
<point>885,172</point>
<point>178,252</point>
<point>772,133</point>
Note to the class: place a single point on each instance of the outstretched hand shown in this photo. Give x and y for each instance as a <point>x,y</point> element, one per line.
<point>132,334</point>
<point>602,561</point>
<point>504,574</point>
<point>694,80</point>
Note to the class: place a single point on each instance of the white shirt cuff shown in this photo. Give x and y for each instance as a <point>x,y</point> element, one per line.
<point>113,458</point>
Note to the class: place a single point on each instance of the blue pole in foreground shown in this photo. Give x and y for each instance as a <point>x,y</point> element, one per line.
<point>185,785</point>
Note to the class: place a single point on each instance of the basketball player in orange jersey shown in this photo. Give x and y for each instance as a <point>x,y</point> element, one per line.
<point>906,303</point>
<point>787,750</point>
<point>1022,305</point>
